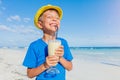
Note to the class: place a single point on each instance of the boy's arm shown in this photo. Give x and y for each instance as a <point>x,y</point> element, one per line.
<point>32,72</point>
<point>67,64</point>
<point>50,61</point>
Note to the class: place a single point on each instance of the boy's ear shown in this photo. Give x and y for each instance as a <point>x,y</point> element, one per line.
<point>39,24</point>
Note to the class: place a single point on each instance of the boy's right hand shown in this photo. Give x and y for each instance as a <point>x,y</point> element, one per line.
<point>52,60</point>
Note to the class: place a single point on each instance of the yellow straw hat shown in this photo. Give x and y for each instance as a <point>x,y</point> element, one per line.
<point>44,8</point>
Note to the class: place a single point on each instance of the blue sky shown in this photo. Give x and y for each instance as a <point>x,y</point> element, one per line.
<point>84,23</point>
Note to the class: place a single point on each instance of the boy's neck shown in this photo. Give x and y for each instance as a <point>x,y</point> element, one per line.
<point>47,37</point>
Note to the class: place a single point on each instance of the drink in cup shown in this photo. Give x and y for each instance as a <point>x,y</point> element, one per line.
<point>52,46</point>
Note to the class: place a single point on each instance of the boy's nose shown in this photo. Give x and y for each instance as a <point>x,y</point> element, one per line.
<point>54,18</point>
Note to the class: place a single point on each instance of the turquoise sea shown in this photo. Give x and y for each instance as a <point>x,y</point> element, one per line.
<point>104,55</point>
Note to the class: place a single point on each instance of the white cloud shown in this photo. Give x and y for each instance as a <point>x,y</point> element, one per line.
<point>17,18</point>
<point>26,20</point>
<point>22,29</point>
<point>17,34</point>
<point>19,29</point>
<point>5,28</point>
<point>14,18</point>
<point>3,8</point>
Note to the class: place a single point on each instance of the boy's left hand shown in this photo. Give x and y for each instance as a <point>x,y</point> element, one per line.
<point>59,51</point>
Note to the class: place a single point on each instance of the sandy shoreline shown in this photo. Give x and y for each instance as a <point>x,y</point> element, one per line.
<point>12,69</point>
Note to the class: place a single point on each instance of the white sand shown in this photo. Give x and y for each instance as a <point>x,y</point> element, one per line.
<point>93,71</point>
<point>11,68</point>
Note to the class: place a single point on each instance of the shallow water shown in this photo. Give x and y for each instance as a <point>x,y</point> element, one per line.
<point>104,55</point>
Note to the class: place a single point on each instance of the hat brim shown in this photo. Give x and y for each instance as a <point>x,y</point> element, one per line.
<point>43,9</point>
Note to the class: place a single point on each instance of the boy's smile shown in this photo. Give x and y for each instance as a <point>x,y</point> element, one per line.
<point>54,25</point>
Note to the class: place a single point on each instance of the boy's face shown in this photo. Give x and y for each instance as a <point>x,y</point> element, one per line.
<point>50,21</point>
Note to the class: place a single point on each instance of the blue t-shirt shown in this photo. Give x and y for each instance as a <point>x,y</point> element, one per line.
<point>36,55</point>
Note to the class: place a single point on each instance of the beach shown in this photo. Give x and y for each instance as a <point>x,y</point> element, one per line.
<point>11,68</point>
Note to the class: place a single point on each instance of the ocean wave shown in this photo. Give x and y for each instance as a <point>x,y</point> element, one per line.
<point>19,47</point>
<point>109,63</point>
<point>94,48</point>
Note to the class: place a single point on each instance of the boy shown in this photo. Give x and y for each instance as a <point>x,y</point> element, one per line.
<point>37,60</point>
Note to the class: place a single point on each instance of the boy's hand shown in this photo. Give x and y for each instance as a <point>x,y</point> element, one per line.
<point>52,60</point>
<point>59,51</point>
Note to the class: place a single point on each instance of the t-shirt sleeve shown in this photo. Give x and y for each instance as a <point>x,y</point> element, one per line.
<point>67,52</point>
<point>30,58</point>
